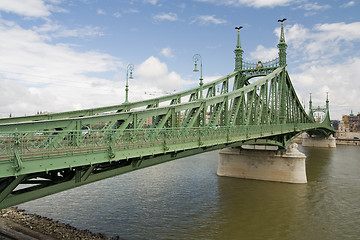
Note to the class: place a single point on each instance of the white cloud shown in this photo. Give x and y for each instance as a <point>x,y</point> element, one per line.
<point>208,79</point>
<point>296,34</point>
<point>208,19</point>
<point>339,31</point>
<point>100,12</point>
<point>87,31</point>
<point>348,4</point>
<point>251,3</point>
<point>166,16</point>
<point>314,6</point>
<point>41,76</point>
<point>117,14</point>
<point>323,59</point>
<point>323,41</point>
<point>326,59</point>
<point>33,8</point>
<point>54,30</point>
<point>182,5</point>
<point>265,54</point>
<point>153,74</point>
<point>341,80</point>
<point>131,10</point>
<point>153,77</point>
<point>167,52</point>
<point>153,2</point>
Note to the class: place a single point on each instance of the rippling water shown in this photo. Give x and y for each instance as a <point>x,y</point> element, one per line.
<point>185,199</point>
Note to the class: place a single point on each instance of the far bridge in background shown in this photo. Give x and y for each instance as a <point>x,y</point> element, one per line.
<point>45,154</point>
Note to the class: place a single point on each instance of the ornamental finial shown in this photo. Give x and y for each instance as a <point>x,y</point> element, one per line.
<point>238,28</point>
<point>238,44</point>
<point>282,35</point>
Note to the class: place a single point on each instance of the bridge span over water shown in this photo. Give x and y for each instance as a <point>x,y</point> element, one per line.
<point>48,153</point>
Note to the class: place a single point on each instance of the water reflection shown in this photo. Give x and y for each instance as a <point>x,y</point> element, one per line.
<point>333,196</point>
<point>259,210</point>
<point>317,162</point>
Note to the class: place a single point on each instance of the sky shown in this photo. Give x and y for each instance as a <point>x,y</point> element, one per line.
<point>61,55</point>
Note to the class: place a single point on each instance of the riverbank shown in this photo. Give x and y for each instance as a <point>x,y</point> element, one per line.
<point>339,141</point>
<point>20,225</point>
<point>350,142</point>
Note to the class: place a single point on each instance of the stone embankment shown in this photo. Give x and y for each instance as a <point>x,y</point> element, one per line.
<point>16,224</point>
<point>348,138</point>
<point>354,142</point>
<point>341,139</point>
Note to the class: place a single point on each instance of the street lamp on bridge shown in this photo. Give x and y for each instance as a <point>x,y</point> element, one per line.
<point>130,68</point>
<point>196,58</point>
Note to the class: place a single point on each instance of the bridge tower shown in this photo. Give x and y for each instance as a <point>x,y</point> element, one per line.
<point>310,139</point>
<point>238,52</point>
<point>282,63</point>
<point>311,113</point>
<point>282,45</point>
<point>264,163</point>
<point>240,77</point>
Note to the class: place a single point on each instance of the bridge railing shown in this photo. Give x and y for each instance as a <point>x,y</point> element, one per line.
<point>39,145</point>
<point>269,64</point>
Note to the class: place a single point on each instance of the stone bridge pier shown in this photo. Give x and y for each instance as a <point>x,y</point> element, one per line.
<point>268,165</point>
<point>318,141</point>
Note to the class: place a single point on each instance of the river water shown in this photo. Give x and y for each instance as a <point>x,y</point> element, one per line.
<point>185,199</point>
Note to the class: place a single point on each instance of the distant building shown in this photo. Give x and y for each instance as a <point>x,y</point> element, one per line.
<point>341,127</point>
<point>351,122</point>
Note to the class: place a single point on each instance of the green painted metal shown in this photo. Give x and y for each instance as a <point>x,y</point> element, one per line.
<point>238,52</point>
<point>49,153</point>
<point>196,58</point>
<point>130,68</point>
<point>282,45</point>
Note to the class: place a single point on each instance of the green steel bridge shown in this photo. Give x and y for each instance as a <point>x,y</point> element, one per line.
<point>48,153</point>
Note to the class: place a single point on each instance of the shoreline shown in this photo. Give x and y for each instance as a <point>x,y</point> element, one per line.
<point>339,141</point>
<point>17,224</point>
<point>349,142</point>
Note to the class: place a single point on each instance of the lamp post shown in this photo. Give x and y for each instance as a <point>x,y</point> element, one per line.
<point>196,58</point>
<point>131,68</point>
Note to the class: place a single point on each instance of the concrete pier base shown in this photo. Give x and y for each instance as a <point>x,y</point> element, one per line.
<point>310,141</point>
<point>265,165</point>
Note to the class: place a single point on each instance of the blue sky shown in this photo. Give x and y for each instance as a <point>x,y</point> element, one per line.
<point>59,55</point>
